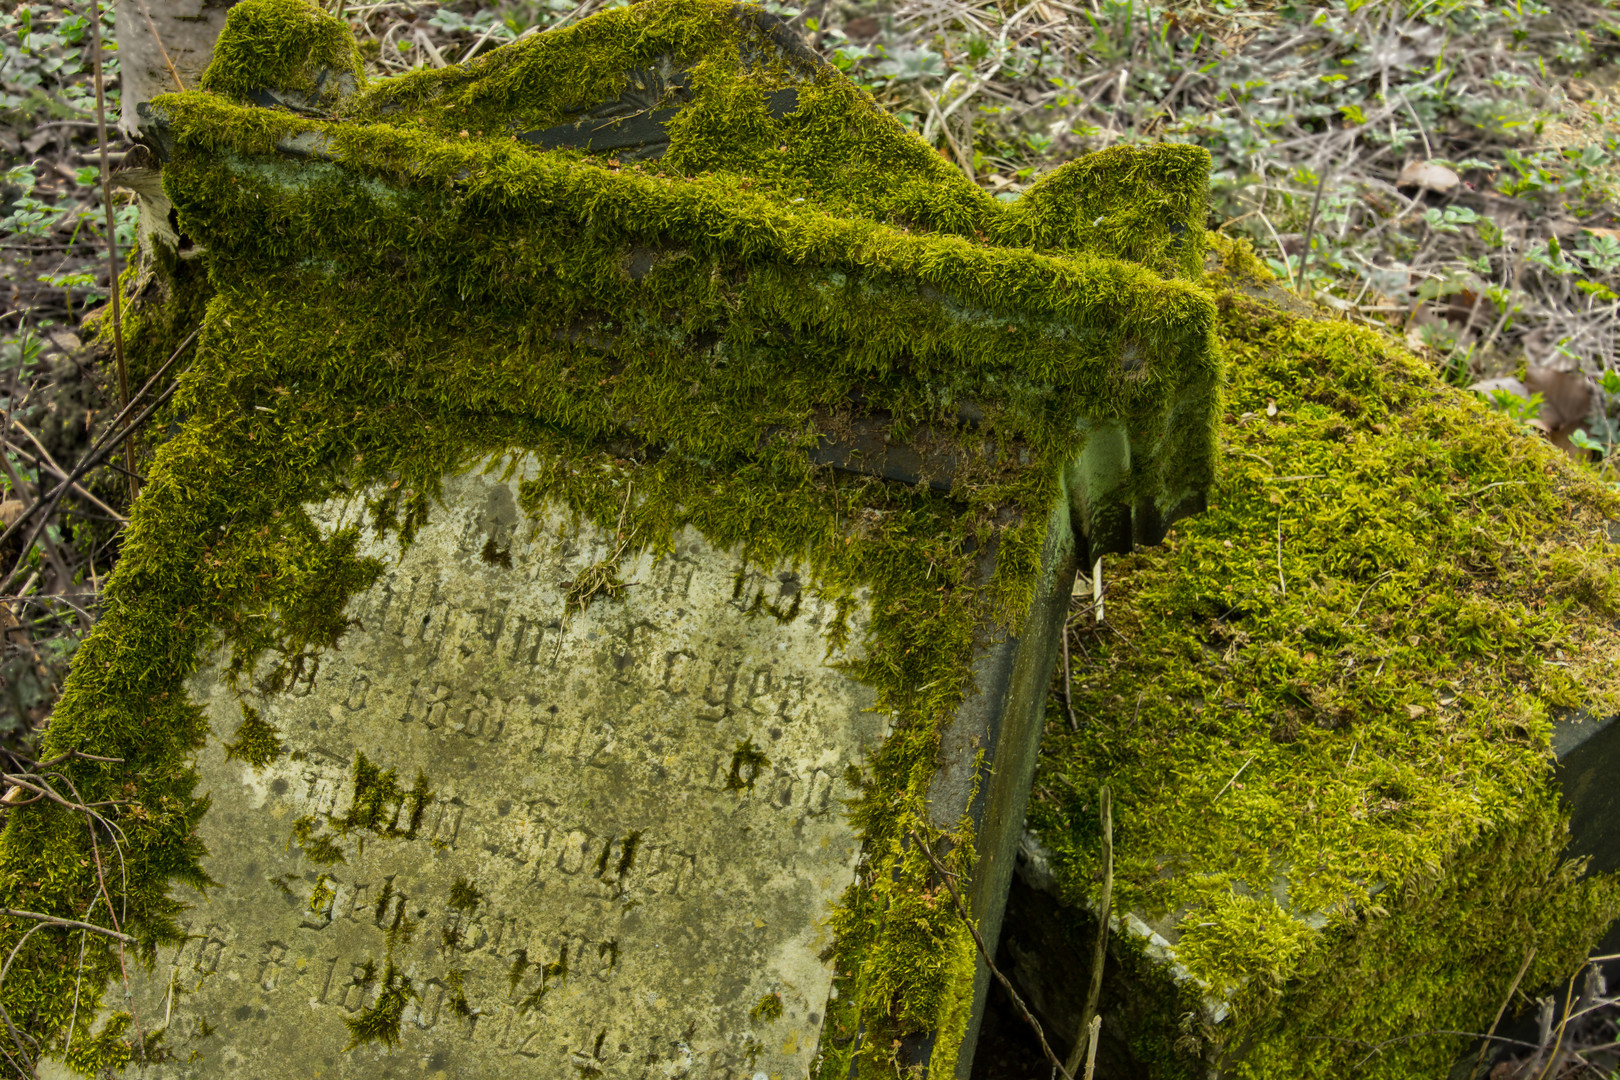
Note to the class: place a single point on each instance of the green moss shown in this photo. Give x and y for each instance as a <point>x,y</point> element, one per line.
<point>165,296</point>
<point>1586,577</point>
<point>321,896</point>
<point>1238,930</point>
<point>257,742</point>
<point>1236,262</point>
<point>379,1021</point>
<point>464,895</point>
<point>455,982</point>
<point>600,579</point>
<point>555,970</point>
<point>107,1050</point>
<point>746,762</point>
<point>372,321</point>
<point>496,556</point>
<point>520,967</point>
<point>381,804</point>
<point>768,1008</point>
<point>1142,205</point>
<point>627,857</point>
<point>321,850</point>
<point>1323,710</point>
<point>288,46</point>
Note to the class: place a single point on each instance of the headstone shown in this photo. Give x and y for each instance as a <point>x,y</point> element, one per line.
<point>513,835</point>
<point>1053,940</point>
<point>624,504</point>
<point>1344,837</point>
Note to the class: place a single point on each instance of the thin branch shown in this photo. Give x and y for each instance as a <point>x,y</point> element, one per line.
<point>1506,1000</point>
<point>43,460</point>
<point>1006,984</point>
<point>152,26</point>
<point>71,924</point>
<point>94,459</point>
<point>112,237</point>
<point>1086,1034</point>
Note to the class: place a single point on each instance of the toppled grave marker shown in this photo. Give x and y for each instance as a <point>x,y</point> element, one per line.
<point>1341,770</point>
<point>578,582</point>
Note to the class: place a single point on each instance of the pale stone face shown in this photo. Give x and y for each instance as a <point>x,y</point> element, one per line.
<point>589,799</point>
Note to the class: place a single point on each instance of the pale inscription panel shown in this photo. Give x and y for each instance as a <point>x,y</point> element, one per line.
<point>600,845</point>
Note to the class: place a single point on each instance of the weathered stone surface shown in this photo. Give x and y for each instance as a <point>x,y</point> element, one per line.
<point>602,840</point>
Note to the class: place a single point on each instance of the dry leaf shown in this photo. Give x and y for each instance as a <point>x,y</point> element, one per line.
<point>1429,176</point>
<point>1415,711</point>
<point>862,28</point>
<point>1488,387</point>
<point>1568,400</point>
<point>1569,395</point>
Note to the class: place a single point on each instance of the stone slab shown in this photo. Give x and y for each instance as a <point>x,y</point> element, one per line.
<point>606,841</point>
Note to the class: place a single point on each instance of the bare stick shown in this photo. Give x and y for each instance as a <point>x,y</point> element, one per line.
<point>15,949</point>
<point>113,832</point>
<point>1506,1000</point>
<point>78,980</point>
<point>1239,773</point>
<point>98,450</point>
<point>57,493</point>
<point>1552,1055</point>
<point>112,235</point>
<point>1023,1010</point>
<point>1097,589</point>
<point>1091,1047</point>
<point>179,84</point>
<point>1090,1021</point>
<point>71,924</point>
<point>1068,680</point>
<point>61,473</point>
<point>1282,582</point>
<point>1310,228</point>
<point>16,1038</point>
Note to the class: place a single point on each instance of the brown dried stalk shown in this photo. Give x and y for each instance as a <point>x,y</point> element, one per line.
<point>1006,984</point>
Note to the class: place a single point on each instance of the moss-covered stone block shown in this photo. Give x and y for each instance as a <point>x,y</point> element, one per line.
<point>1328,711</point>
<point>497,360</point>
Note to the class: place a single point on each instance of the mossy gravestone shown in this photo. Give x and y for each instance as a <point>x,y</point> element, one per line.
<point>1358,776</point>
<point>621,505</point>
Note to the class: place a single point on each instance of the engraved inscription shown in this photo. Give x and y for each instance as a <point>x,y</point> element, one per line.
<point>554,842</point>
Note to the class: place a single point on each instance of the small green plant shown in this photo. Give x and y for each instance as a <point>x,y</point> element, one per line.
<point>1550,257</point>
<point>257,742</point>
<point>1518,409</point>
<point>464,895</point>
<point>380,1022</point>
<point>769,1008</point>
<point>1449,220</point>
<point>1586,442</point>
<point>747,760</point>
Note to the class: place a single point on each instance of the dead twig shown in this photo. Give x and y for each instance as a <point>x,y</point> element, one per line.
<point>1501,1011</point>
<point>162,49</point>
<point>71,924</point>
<point>1085,1036</point>
<point>1068,681</point>
<point>98,454</point>
<point>113,288</point>
<point>43,460</point>
<point>978,939</point>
